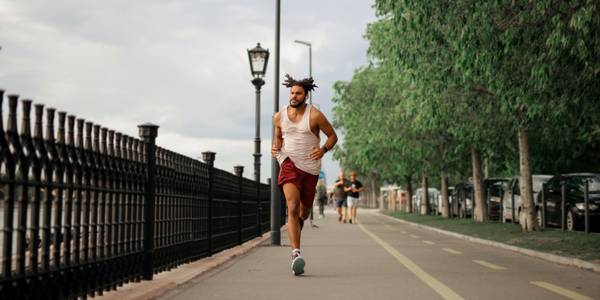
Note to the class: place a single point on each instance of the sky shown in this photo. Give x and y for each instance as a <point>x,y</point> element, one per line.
<point>182,65</point>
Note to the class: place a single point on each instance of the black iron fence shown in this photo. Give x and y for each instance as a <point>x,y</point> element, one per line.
<point>85,209</point>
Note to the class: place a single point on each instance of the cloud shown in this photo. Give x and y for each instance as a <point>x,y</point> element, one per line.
<point>179,64</point>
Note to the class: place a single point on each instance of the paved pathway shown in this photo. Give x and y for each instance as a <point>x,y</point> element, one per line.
<point>380,258</point>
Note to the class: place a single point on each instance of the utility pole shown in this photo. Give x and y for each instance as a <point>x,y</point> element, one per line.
<point>275,197</point>
<point>309,62</point>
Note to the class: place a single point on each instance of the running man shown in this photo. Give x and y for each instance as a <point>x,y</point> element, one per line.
<point>296,146</point>
<point>355,188</point>
<point>321,196</point>
<point>340,196</point>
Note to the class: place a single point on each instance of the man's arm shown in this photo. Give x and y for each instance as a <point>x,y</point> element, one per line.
<point>327,129</point>
<point>278,138</point>
<point>361,188</point>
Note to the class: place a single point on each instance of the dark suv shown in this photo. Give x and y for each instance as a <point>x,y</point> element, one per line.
<point>574,200</point>
<point>495,187</point>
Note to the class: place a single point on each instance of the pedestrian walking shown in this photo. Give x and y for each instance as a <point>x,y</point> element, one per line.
<point>296,146</point>
<point>340,195</point>
<point>321,197</point>
<point>354,190</point>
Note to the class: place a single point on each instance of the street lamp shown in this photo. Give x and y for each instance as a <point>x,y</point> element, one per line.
<point>309,62</point>
<point>258,57</point>
<point>276,212</point>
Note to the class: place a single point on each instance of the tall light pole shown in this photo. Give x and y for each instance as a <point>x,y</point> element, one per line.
<point>258,57</point>
<point>305,43</point>
<point>309,62</point>
<point>275,197</point>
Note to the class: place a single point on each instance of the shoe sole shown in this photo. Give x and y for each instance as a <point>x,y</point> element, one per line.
<point>298,266</point>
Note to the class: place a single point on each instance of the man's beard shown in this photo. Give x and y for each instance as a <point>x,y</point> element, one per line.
<point>298,103</point>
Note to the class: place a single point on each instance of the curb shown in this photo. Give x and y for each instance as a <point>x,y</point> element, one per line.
<point>561,260</point>
<point>166,281</point>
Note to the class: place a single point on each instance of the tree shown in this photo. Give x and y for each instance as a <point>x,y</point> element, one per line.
<point>495,79</point>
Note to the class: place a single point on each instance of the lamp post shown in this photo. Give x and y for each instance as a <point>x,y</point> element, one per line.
<point>309,62</point>
<point>276,212</point>
<point>305,43</point>
<point>258,57</point>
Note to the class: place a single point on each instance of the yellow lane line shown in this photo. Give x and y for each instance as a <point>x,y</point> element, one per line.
<point>431,281</point>
<point>489,265</point>
<point>429,242</point>
<point>561,291</point>
<point>414,236</point>
<point>449,250</point>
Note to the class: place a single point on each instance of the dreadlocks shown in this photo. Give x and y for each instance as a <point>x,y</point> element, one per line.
<point>307,83</point>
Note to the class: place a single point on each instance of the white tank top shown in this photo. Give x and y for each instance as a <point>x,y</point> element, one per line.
<point>298,141</point>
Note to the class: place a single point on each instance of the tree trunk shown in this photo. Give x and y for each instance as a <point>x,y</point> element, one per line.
<point>367,193</point>
<point>381,199</point>
<point>486,167</point>
<point>528,221</point>
<point>393,198</point>
<point>373,200</point>
<point>480,212</point>
<point>445,199</point>
<point>409,206</point>
<point>400,193</point>
<point>425,196</point>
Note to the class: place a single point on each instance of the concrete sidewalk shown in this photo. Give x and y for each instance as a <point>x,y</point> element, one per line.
<point>379,258</point>
<point>169,280</point>
<point>342,263</point>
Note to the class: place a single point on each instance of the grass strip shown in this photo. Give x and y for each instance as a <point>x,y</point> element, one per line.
<point>551,240</point>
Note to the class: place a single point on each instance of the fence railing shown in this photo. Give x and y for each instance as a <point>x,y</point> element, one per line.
<point>85,209</point>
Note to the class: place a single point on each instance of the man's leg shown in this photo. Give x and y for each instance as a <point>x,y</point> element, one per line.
<point>292,195</point>
<point>297,213</point>
<point>346,212</point>
<point>354,209</point>
<point>321,208</point>
<point>349,209</point>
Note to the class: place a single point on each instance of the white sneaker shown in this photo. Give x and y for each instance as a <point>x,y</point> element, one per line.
<point>298,264</point>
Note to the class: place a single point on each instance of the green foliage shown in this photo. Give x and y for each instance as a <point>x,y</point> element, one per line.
<point>447,76</point>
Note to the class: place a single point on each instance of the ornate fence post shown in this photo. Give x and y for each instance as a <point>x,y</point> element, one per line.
<point>148,133</point>
<point>239,170</point>
<point>209,158</point>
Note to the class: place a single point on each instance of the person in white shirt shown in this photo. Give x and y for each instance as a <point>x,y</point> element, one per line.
<point>296,146</point>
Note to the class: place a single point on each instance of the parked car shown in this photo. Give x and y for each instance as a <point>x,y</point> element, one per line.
<point>433,194</point>
<point>402,197</point>
<point>463,208</point>
<point>495,187</point>
<point>574,200</point>
<point>450,200</point>
<point>514,190</point>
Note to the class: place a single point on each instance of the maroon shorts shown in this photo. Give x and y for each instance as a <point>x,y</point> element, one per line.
<point>305,182</point>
